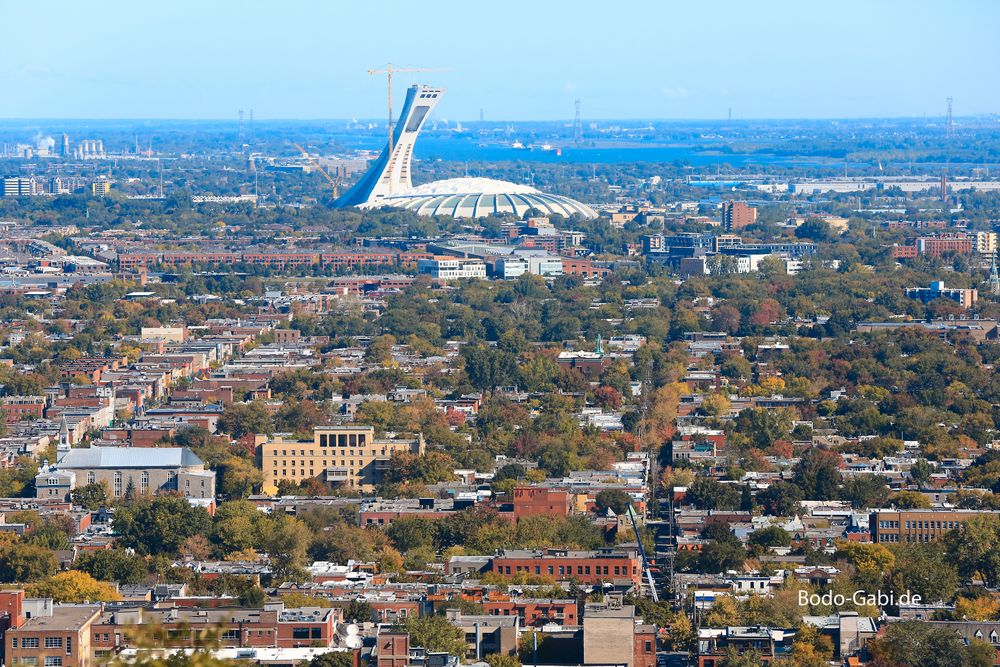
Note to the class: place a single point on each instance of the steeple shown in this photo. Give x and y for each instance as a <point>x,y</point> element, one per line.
<point>64,444</point>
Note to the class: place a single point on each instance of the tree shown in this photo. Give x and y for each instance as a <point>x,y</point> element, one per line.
<point>502,660</point>
<point>240,419</point>
<point>489,368</point>
<point>411,533</point>
<point>772,536</point>
<point>982,608</point>
<point>865,491</point>
<point>921,471</point>
<point>21,562</point>
<point>616,500</point>
<point>436,633</point>
<point>428,468</point>
<point>159,525</point>
<point>780,499</point>
<point>333,659</point>
<point>818,474</point>
<point>910,500</point>
<point>975,549</point>
<point>74,586</point>
<point>358,611</point>
<point>916,643</point>
<point>708,494</point>
<point>90,496</point>
<point>115,565</point>
<point>608,397</point>
<point>239,477</point>
<point>925,570</point>
<point>286,540</point>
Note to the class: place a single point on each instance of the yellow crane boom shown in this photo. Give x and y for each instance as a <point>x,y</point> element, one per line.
<point>332,181</point>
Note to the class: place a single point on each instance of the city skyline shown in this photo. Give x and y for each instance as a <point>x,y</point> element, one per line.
<point>645,61</point>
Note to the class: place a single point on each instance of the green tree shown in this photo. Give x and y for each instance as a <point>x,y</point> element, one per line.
<point>865,491</point>
<point>616,500</point>
<point>90,496</point>
<point>21,563</point>
<point>818,475</point>
<point>781,499</point>
<point>159,525</point>
<point>115,565</point>
<point>358,611</point>
<point>436,633</point>
<point>286,540</point>
<point>240,419</point>
<point>333,659</point>
<point>489,368</point>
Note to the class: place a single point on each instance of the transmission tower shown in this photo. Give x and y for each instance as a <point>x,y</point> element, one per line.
<point>950,123</point>
<point>577,126</point>
<point>994,277</point>
<point>240,133</point>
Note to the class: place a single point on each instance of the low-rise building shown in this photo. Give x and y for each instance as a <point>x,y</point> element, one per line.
<point>344,455</point>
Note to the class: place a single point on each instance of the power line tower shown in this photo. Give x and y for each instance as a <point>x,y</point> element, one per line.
<point>577,126</point>
<point>251,127</point>
<point>240,135</point>
<point>994,277</point>
<point>950,123</point>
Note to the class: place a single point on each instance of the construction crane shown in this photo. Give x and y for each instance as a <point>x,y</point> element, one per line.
<point>335,182</point>
<point>642,552</point>
<point>389,70</point>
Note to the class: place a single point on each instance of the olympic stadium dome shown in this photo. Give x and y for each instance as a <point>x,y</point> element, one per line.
<point>479,197</point>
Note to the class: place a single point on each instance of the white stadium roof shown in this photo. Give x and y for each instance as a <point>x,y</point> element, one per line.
<point>479,197</point>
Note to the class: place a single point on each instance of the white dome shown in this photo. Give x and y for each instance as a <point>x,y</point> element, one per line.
<point>479,197</point>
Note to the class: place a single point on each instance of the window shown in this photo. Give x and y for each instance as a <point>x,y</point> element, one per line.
<point>144,482</point>
<point>29,661</point>
<point>53,661</point>
<point>69,645</point>
<point>300,633</point>
<point>231,635</point>
<point>53,642</point>
<point>118,484</point>
<point>13,642</point>
<point>29,642</point>
<point>91,478</point>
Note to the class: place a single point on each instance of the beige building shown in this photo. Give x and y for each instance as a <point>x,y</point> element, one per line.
<point>986,243</point>
<point>147,470</point>
<point>347,455</point>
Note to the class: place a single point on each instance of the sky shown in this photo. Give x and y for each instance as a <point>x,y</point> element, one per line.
<point>512,59</point>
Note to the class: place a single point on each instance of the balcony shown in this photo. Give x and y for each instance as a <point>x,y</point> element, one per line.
<point>337,474</point>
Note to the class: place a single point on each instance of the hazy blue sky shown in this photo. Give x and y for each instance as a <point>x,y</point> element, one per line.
<point>515,59</point>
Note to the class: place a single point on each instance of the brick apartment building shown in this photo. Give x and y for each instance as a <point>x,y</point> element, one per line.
<point>916,526</point>
<point>535,501</point>
<point>61,639</point>
<point>737,214</point>
<point>534,612</point>
<point>587,567</point>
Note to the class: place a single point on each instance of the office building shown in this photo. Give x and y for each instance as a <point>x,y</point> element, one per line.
<point>18,186</point>
<point>966,298</point>
<point>452,268</point>
<point>916,526</point>
<point>345,455</point>
<point>101,187</point>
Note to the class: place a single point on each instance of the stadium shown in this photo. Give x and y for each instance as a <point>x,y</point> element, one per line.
<point>387,183</point>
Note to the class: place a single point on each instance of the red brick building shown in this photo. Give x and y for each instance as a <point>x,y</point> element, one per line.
<point>535,501</point>
<point>534,612</point>
<point>587,567</point>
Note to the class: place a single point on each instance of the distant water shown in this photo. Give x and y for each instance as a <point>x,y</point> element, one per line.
<point>463,149</point>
